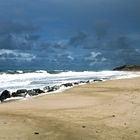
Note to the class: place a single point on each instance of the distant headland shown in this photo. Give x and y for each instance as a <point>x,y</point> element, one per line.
<point>127,68</point>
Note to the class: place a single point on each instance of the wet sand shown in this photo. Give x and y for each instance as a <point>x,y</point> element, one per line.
<point>101,111</point>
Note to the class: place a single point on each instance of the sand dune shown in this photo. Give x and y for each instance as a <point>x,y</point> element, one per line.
<point>101,111</point>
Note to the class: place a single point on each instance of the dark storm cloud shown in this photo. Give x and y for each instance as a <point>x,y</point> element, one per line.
<point>118,51</point>
<point>78,39</point>
<point>13,41</point>
<point>110,52</point>
<point>16,35</point>
<point>101,29</point>
<point>7,27</point>
<point>125,50</point>
<point>31,37</point>
<point>108,27</point>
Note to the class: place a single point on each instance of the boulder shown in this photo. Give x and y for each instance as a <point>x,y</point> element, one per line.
<point>35,92</point>
<point>47,88</point>
<point>68,85</point>
<point>32,93</point>
<point>54,88</point>
<point>76,83</point>
<point>39,91</point>
<point>82,82</point>
<point>98,80</point>
<point>20,93</point>
<point>88,81</point>
<point>4,95</point>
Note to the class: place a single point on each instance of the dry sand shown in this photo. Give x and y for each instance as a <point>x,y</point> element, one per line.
<point>101,111</point>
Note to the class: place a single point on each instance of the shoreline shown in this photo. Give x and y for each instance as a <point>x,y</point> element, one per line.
<point>102,111</point>
<point>60,88</point>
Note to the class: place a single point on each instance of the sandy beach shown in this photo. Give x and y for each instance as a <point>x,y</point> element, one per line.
<point>101,111</point>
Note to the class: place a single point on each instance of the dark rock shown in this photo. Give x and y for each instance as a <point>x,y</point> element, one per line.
<point>32,93</point>
<point>68,85</point>
<point>83,126</point>
<point>82,82</point>
<point>13,94</point>
<point>54,88</point>
<point>97,80</point>
<point>4,95</point>
<point>88,81</point>
<point>38,91</point>
<point>47,88</point>
<point>97,131</point>
<point>36,133</point>
<point>113,116</point>
<point>20,93</point>
<point>76,83</point>
<point>35,92</point>
<point>24,92</point>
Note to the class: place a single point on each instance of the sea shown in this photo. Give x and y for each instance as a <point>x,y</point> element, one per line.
<point>27,79</point>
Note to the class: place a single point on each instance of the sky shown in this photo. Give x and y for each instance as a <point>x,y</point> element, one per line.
<point>69,34</point>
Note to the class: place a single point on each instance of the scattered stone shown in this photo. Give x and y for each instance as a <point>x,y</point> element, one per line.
<point>135,131</point>
<point>32,93</point>
<point>55,88</point>
<point>97,131</point>
<point>113,116</point>
<point>20,93</point>
<point>76,83</point>
<point>68,85</point>
<point>47,88</point>
<point>82,82</point>
<point>88,81</point>
<point>38,91</point>
<point>50,89</point>
<point>4,95</point>
<point>36,133</point>
<point>97,80</point>
<point>83,126</point>
<point>35,92</point>
<point>13,94</point>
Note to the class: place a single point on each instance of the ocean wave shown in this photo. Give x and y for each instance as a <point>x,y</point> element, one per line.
<point>13,80</point>
<point>32,71</point>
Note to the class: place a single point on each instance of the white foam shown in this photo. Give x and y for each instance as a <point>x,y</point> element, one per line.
<point>41,78</point>
<point>64,77</point>
<point>13,99</point>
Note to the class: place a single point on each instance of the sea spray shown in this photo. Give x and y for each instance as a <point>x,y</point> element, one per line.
<point>14,80</point>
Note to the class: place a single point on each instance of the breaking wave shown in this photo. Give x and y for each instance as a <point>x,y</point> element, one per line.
<point>13,80</point>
